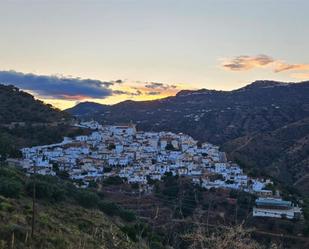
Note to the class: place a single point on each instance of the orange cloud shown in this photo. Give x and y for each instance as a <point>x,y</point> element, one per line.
<point>282,66</point>
<point>146,90</point>
<point>245,63</point>
<point>73,97</point>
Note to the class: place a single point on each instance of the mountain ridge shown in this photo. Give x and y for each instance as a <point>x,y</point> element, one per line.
<point>254,85</point>
<point>225,118</point>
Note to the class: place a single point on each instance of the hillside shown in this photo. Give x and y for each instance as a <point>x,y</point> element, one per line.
<point>19,106</point>
<point>283,153</point>
<point>25,121</point>
<point>229,118</point>
<point>66,217</point>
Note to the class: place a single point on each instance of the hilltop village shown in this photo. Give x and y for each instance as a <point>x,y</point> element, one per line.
<point>140,157</point>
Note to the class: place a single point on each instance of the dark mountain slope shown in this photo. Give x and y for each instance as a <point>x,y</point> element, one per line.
<point>217,116</point>
<point>19,106</point>
<point>249,120</point>
<point>25,121</point>
<point>282,153</point>
<point>87,109</point>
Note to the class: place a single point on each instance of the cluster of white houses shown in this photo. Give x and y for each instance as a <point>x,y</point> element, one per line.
<point>138,157</point>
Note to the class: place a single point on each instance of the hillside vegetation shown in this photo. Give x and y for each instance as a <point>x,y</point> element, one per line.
<point>19,106</point>
<point>25,121</point>
<point>66,217</point>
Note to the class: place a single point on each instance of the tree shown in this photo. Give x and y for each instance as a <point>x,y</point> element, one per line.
<point>87,199</point>
<point>10,187</point>
<point>113,180</point>
<point>169,146</point>
<point>127,215</point>
<point>111,147</point>
<point>108,208</point>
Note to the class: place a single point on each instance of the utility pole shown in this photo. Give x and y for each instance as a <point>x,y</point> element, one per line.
<point>139,214</point>
<point>33,202</point>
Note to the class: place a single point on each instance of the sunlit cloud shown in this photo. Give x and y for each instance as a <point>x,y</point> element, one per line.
<point>154,93</point>
<point>136,92</point>
<point>146,89</point>
<point>118,81</point>
<point>160,86</point>
<point>71,97</point>
<point>245,63</point>
<point>281,66</point>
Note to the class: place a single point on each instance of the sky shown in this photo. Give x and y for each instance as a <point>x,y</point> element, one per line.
<point>68,51</point>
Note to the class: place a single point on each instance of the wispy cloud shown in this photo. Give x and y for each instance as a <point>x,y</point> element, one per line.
<point>136,92</point>
<point>246,62</point>
<point>159,86</point>
<point>118,81</point>
<point>281,66</point>
<point>153,93</point>
<point>58,87</point>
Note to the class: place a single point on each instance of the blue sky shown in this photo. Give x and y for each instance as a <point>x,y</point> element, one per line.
<point>175,43</point>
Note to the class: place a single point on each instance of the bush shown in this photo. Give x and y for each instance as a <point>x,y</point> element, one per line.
<point>156,245</point>
<point>108,208</point>
<point>135,185</point>
<point>169,146</point>
<point>171,191</point>
<point>113,180</point>
<point>10,188</point>
<point>5,206</point>
<point>131,232</point>
<point>93,184</point>
<point>127,215</point>
<point>87,199</point>
<point>10,173</point>
<point>46,190</point>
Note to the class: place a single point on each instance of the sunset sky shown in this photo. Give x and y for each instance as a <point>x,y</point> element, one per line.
<point>68,51</point>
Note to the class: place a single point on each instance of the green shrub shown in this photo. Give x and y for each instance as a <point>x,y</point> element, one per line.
<point>87,199</point>
<point>113,180</point>
<point>46,190</point>
<point>108,208</point>
<point>127,215</point>
<point>156,245</point>
<point>5,206</point>
<point>171,191</point>
<point>131,232</point>
<point>10,188</point>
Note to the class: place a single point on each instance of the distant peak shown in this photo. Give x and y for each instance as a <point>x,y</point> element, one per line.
<point>265,84</point>
<point>89,103</point>
<point>195,92</point>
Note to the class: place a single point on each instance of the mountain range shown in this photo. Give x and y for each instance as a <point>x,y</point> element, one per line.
<point>263,126</point>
